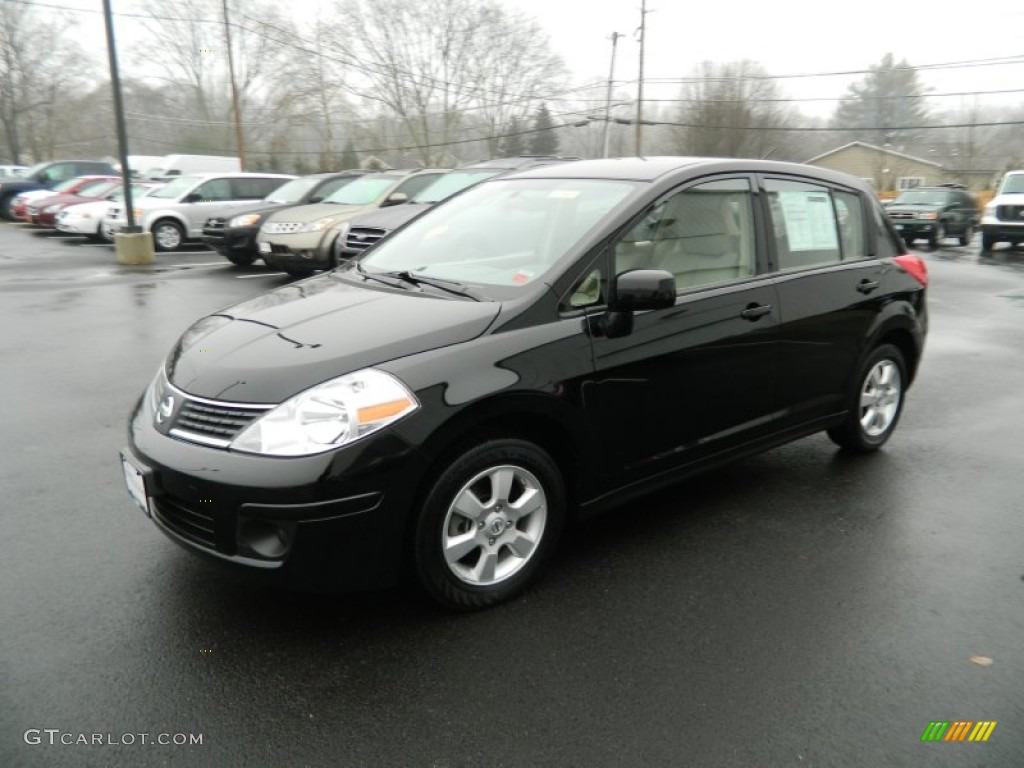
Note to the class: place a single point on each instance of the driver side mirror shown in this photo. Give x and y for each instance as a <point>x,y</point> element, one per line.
<point>395,198</point>
<point>636,290</point>
<point>192,197</point>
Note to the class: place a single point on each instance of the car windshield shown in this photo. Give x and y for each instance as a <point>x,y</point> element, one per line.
<point>1013,185</point>
<point>504,233</point>
<point>450,183</point>
<point>362,191</point>
<point>178,187</point>
<point>64,186</point>
<point>923,197</point>
<point>293,191</point>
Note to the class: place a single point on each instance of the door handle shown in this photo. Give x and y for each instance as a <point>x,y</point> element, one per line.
<point>867,286</point>
<point>755,311</point>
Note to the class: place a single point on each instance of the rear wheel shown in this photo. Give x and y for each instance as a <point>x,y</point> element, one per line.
<point>876,403</point>
<point>968,234</point>
<point>168,235</point>
<point>488,524</point>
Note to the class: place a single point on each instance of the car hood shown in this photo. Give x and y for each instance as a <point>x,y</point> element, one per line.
<point>63,200</point>
<point>275,345</point>
<point>304,213</point>
<point>391,217</point>
<point>94,208</point>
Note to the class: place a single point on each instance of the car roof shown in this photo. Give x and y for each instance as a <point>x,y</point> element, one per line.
<point>654,168</point>
<point>233,175</point>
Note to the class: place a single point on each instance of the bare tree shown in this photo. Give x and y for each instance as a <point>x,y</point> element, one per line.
<point>431,63</point>
<point>730,110</point>
<point>34,79</point>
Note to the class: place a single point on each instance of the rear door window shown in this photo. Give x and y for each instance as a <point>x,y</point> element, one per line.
<point>814,225</point>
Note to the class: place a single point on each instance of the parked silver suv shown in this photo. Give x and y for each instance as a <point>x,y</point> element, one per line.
<point>177,212</point>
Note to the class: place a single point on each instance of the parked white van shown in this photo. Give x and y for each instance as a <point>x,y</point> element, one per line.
<point>179,165</point>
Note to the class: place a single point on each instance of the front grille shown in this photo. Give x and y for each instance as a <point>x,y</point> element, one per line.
<point>901,215</point>
<point>281,227</point>
<point>361,238</point>
<point>1010,213</point>
<point>218,423</point>
<point>186,521</point>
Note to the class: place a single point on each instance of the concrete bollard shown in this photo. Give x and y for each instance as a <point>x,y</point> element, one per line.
<point>134,247</point>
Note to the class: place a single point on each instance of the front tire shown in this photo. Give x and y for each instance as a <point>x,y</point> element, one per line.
<point>937,236</point>
<point>488,524</point>
<point>167,235</point>
<point>238,258</point>
<point>876,403</point>
<point>7,207</point>
<point>987,242</point>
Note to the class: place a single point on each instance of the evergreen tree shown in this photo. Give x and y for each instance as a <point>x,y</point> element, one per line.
<point>512,145</point>
<point>545,140</point>
<point>880,108</point>
<point>349,159</point>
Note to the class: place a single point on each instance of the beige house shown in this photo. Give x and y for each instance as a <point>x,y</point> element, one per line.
<point>891,171</point>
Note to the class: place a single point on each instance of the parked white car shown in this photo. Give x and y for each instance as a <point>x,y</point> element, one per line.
<point>176,212</point>
<point>13,170</point>
<point>88,218</point>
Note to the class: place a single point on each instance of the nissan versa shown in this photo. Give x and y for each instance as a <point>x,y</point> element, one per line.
<point>539,347</point>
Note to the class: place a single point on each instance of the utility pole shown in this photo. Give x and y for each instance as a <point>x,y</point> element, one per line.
<point>640,83</point>
<point>608,96</point>
<point>239,138</point>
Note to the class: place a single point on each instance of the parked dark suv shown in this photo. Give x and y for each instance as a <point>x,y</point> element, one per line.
<point>47,176</point>
<point>537,348</point>
<point>234,237</point>
<point>935,213</point>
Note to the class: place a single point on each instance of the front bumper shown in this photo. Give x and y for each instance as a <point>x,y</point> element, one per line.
<point>910,228</point>
<point>324,523</point>
<point>231,238</point>
<point>304,250</point>
<point>1002,230</point>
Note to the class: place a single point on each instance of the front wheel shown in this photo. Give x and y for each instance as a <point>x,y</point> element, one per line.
<point>876,403</point>
<point>168,235</point>
<point>488,524</point>
<point>987,242</point>
<point>7,207</point>
<point>238,258</point>
<point>937,236</point>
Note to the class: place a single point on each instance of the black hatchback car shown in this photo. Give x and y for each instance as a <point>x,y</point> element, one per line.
<point>537,348</point>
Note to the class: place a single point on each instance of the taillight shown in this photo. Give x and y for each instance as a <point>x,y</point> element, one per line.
<point>914,267</point>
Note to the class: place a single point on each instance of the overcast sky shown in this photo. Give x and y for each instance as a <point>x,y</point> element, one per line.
<point>787,37</point>
<point>794,37</point>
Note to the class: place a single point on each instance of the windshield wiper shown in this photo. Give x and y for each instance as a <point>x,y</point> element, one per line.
<point>405,277</point>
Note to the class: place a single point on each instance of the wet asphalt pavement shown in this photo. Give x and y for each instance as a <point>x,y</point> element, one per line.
<point>802,608</point>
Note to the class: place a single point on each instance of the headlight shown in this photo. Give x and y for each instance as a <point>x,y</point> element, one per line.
<point>329,415</point>
<point>316,226</point>
<point>990,209</point>
<point>930,216</point>
<point>245,220</point>
<point>52,208</point>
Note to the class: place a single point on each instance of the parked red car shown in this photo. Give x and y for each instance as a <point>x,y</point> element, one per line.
<point>43,212</point>
<point>22,201</point>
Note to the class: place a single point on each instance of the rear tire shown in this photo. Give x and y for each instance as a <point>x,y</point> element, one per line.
<point>967,236</point>
<point>488,524</point>
<point>875,404</point>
